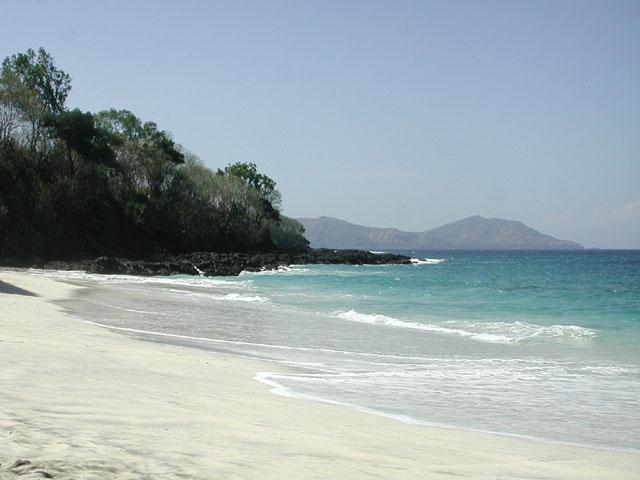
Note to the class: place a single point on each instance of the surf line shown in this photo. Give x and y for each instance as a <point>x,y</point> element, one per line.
<point>238,342</point>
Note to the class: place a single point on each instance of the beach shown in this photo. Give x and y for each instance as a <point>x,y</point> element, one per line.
<point>78,401</point>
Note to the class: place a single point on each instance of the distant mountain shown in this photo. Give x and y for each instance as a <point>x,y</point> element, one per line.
<point>472,233</point>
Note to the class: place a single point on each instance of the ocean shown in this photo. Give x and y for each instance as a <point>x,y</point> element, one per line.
<point>543,345</point>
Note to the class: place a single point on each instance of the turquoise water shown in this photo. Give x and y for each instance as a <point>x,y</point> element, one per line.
<point>599,291</point>
<point>537,344</point>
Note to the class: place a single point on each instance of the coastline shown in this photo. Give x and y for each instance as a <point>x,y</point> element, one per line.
<point>210,263</point>
<point>79,401</point>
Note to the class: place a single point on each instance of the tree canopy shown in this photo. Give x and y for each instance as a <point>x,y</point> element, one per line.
<point>32,89</point>
<point>76,183</point>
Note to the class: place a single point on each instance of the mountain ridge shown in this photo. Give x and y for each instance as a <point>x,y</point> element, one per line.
<point>472,233</point>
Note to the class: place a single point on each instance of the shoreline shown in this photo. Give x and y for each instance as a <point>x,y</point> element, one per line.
<point>80,401</point>
<point>285,392</point>
<point>282,391</point>
<point>206,264</point>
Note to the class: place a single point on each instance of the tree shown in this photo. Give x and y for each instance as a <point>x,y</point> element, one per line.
<point>146,154</point>
<point>32,85</point>
<point>288,235</point>
<point>143,138</point>
<point>75,183</point>
<point>248,173</point>
<point>10,114</point>
<point>79,132</point>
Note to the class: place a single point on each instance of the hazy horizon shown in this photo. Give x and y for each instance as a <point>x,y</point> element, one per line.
<point>405,114</point>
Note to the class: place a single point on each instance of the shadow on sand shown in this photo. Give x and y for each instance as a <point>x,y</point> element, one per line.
<point>13,290</point>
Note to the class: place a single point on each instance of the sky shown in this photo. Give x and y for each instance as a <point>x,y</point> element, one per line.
<point>406,114</point>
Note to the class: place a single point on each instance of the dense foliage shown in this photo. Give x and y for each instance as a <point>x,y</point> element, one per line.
<point>74,183</point>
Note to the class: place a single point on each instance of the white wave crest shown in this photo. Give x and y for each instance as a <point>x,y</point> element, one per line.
<point>427,261</point>
<point>181,280</point>
<point>274,271</point>
<point>490,332</point>
<point>236,297</point>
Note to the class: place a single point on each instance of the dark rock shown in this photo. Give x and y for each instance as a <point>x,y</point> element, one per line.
<point>223,264</point>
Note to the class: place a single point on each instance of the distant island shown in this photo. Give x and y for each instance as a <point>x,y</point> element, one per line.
<point>472,233</point>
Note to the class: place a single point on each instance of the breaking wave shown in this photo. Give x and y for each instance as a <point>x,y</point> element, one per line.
<point>275,271</point>
<point>490,332</point>
<point>172,280</point>
<point>427,261</point>
<point>236,297</point>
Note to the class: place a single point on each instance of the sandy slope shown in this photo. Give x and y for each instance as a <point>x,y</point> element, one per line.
<point>80,402</point>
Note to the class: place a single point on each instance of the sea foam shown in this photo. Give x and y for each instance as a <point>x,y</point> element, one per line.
<point>269,271</point>
<point>171,280</point>
<point>490,332</point>
<point>427,261</point>
<point>235,297</point>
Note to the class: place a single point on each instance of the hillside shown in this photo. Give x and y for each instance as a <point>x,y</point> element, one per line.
<point>473,233</point>
<point>77,185</point>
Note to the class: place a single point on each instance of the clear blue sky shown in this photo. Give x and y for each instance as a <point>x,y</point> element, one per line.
<point>391,113</point>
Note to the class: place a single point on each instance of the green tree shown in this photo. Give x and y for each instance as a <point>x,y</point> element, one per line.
<point>10,112</point>
<point>79,132</point>
<point>288,235</point>
<point>33,87</point>
<point>248,173</point>
<point>147,155</point>
<point>73,183</point>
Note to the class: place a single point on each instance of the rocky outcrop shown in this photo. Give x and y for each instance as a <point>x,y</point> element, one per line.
<point>216,264</point>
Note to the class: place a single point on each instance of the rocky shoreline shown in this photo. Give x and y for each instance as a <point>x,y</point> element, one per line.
<point>212,263</point>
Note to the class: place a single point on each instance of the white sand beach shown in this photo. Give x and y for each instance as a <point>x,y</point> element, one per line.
<point>81,402</point>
